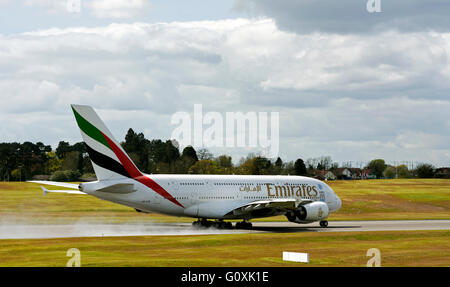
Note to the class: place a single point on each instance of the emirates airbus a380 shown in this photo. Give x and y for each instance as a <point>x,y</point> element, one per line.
<point>219,197</point>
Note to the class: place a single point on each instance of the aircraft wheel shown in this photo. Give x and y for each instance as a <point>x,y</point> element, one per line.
<point>218,224</point>
<point>224,225</point>
<point>243,225</point>
<point>205,223</point>
<point>324,223</point>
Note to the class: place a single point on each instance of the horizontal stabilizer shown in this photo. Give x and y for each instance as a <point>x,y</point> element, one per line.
<point>60,191</point>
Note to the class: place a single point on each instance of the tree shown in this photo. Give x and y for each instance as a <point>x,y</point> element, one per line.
<point>70,161</point>
<point>59,176</point>
<point>403,172</point>
<point>188,158</point>
<point>224,161</point>
<point>72,175</point>
<point>172,152</point>
<point>377,166</point>
<point>16,174</point>
<point>131,143</point>
<point>204,153</point>
<point>53,163</point>
<point>300,167</point>
<point>246,165</point>
<point>66,175</point>
<point>157,151</point>
<point>277,167</point>
<point>204,166</point>
<point>189,153</point>
<point>320,166</point>
<point>163,157</point>
<point>334,167</point>
<point>137,147</point>
<point>311,163</point>
<point>288,168</point>
<point>62,149</point>
<point>389,172</point>
<point>87,166</point>
<point>279,162</point>
<point>261,165</point>
<point>425,170</point>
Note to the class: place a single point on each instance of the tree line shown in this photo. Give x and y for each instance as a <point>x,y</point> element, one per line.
<point>71,162</point>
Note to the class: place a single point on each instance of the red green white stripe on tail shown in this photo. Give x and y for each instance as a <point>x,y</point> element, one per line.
<point>108,158</point>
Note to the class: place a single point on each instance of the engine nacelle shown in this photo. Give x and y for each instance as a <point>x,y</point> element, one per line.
<point>310,212</point>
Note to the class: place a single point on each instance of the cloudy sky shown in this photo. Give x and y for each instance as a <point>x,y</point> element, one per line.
<point>346,83</point>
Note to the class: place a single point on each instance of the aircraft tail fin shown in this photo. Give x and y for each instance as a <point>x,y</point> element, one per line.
<point>107,156</point>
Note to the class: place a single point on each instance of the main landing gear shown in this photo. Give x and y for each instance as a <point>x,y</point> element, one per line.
<point>323,223</point>
<point>220,224</point>
<point>243,225</point>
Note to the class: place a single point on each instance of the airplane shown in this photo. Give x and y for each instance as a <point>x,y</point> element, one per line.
<point>211,199</point>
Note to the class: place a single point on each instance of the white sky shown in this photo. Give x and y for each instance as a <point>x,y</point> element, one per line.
<point>346,83</point>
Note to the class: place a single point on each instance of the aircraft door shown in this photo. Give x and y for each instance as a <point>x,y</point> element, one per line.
<point>174,185</point>
<point>208,186</point>
<point>193,197</point>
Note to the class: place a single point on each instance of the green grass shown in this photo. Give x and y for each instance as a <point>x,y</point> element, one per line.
<point>361,200</point>
<point>411,248</point>
<point>393,199</point>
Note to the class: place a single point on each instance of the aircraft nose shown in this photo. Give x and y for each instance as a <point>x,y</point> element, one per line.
<point>339,202</point>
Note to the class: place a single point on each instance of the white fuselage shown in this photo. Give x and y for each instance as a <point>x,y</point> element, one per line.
<point>215,196</point>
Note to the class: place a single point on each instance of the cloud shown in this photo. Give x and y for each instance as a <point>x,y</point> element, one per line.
<point>101,9</point>
<point>52,6</point>
<point>116,9</point>
<point>350,96</point>
<point>351,16</point>
<point>272,67</point>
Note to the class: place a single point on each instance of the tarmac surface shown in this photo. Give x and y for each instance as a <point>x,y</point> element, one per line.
<point>19,231</point>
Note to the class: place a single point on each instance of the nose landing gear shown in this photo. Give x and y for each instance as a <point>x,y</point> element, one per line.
<point>323,223</point>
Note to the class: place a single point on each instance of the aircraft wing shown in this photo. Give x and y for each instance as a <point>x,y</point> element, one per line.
<point>276,205</point>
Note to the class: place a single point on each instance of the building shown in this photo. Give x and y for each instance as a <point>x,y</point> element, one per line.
<point>324,175</point>
<point>443,172</point>
<point>343,173</point>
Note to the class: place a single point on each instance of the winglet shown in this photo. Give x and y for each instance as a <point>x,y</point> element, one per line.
<point>45,191</point>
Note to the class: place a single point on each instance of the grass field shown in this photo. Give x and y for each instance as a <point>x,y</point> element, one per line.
<point>361,200</point>
<point>412,248</point>
<point>393,199</point>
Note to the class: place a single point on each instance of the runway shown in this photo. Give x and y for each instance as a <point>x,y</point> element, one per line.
<point>148,229</point>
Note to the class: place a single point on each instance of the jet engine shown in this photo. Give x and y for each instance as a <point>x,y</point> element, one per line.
<point>310,212</point>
